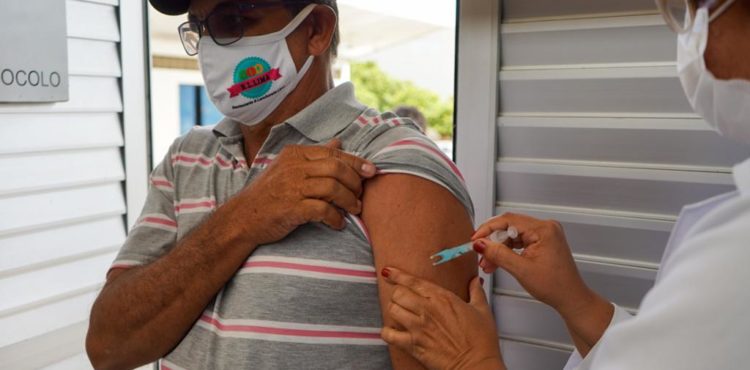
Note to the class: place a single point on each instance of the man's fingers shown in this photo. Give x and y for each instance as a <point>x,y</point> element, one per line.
<point>400,339</point>
<point>337,169</point>
<point>332,191</point>
<point>362,166</point>
<point>314,210</point>
<point>419,286</point>
<point>500,255</point>
<point>335,143</point>
<point>477,298</point>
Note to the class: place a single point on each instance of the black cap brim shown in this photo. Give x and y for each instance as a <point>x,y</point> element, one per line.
<point>171,7</point>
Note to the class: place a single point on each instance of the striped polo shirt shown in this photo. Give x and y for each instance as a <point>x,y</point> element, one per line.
<point>309,301</point>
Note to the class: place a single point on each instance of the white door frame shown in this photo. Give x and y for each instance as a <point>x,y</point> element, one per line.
<point>477,103</point>
<point>135,99</point>
<point>477,100</point>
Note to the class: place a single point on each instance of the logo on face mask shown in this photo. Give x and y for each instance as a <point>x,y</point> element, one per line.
<point>253,78</point>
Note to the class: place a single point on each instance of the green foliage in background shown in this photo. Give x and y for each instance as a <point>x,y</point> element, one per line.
<point>378,90</point>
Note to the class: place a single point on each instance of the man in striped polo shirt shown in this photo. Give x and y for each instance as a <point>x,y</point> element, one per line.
<point>261,238</point>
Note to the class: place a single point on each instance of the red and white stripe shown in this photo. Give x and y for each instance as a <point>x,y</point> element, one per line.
<point>191,160</point>
<point>394,122</point>
<point>199,160</point>
<point>357,222</point>
<point>168,365</point>
<point>416,174</point>
<point>162,183</point>
<point>426,146</point>
<point>157,221</point>
<point>364,121</point>
<point>263,160</point>
<point>200,205</point>
<point>223,162</point>
<point>288,332</point>
<point>309,268</point>
<point>124,264</point>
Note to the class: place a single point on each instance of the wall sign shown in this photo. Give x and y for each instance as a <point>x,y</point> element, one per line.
<point>33,51</point>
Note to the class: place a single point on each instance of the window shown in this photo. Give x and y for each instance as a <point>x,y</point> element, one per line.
<point>196,108</point>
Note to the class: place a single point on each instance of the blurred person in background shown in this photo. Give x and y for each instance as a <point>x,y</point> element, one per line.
<point>412,113</point>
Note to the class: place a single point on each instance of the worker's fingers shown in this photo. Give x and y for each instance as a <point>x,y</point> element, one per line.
<point>400,339</point>
<point>419,286</point>
<point>477,298</point>
<point>487,266</point>
<point>518,243</point>
<point>407,299</point>
<point>526,226</point>
<point>487,228</point>
<point>500,255</point>
<point>337,169</point>
<point>314,210</point>
<point>403,316</point>
<point>332,191</point>
<point>520,222</point>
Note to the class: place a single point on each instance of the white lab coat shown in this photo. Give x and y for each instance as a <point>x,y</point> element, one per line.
<point>697,315</point>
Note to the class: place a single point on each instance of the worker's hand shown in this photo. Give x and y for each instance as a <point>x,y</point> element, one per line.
<point>438,328</point>
<point>545,267</point>
<point>304,184</point>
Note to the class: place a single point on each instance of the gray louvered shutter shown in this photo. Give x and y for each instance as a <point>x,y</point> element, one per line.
<point>593,130</point>
<point>62,198</point>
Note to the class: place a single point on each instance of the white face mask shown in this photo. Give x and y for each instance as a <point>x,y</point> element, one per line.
<point>248,80</point>
<point>724,104</point>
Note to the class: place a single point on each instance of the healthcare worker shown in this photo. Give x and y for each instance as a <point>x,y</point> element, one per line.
<point>697,316</point>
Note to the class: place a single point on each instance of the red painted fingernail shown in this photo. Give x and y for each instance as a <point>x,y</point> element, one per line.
<point>385,272</point>
<point>479,247</point>
<point>481,280</point>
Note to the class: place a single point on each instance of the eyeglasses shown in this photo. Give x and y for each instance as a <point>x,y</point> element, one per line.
<point>226,24</point>
<point>679,14</point>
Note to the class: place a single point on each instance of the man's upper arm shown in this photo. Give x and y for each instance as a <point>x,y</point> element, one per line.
<point>409,219</point>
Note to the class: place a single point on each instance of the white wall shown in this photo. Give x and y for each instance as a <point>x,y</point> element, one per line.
<point>165,113</point>
<point>62,198</point>
<point>591,128</point>
<point>428,61</point>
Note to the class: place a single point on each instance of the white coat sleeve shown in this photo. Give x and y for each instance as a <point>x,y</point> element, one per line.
<point>576,361</point>
<point>696,316</point>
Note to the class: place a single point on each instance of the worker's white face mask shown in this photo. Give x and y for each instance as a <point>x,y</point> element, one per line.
<point>248,80</point>
<point>724,104</point>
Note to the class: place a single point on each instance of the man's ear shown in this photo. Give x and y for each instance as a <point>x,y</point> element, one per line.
<point>322,26</point>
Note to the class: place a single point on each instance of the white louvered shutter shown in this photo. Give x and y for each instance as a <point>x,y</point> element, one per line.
<point>593,130</point>
<point>62,200</point>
